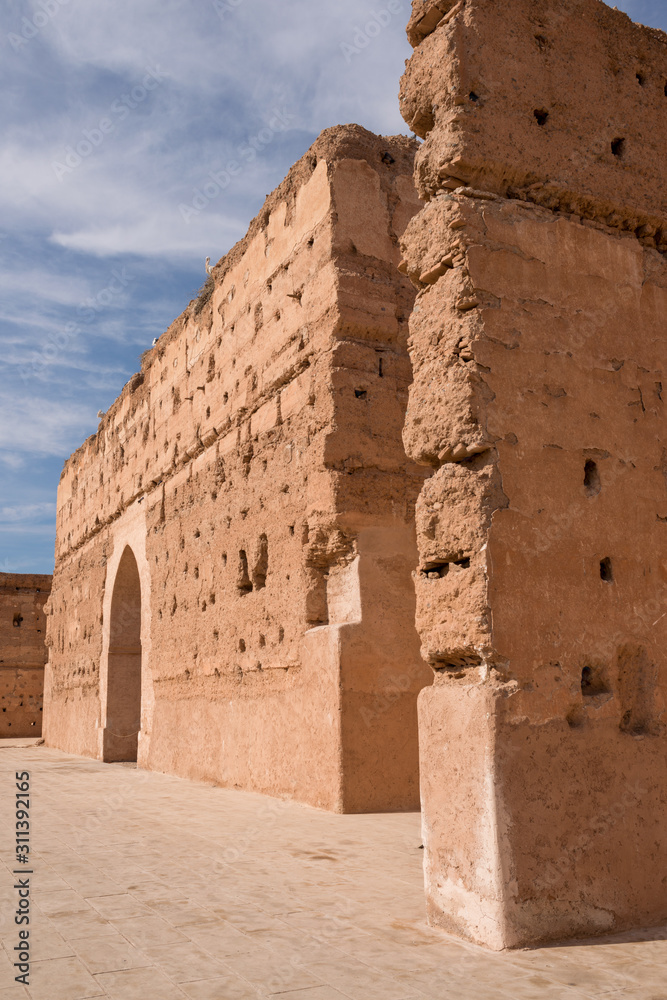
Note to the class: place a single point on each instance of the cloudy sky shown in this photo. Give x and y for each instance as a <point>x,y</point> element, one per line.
<point>115,112</point>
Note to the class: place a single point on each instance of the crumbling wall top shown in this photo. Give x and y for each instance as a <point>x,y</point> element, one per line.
<point>25,582</point>
<point>560,103</point>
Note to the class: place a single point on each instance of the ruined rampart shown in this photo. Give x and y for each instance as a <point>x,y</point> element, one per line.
<point>538,350</point>
<point>235,545</point>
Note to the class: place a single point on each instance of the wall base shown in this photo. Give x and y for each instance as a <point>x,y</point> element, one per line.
<point>537,833</point>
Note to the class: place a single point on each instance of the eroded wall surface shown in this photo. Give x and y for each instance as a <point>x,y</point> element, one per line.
<point>538,347</point>
<point>22,652</point>
<point>255,469</point>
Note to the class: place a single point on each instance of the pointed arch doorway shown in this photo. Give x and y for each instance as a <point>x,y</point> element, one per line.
<point>123,688</point>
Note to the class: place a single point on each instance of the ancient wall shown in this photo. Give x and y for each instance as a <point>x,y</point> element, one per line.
<point>538,348</point>
<point>22,652</point>
<point>254,472</point>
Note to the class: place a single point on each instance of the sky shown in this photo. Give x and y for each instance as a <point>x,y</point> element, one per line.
<point>114,115</point>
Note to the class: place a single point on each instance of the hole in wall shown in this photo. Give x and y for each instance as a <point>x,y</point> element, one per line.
<point>541,116</point>
<point>618,148</point>
<point>262,641</point>
<point>438,570</point>
<point>593,682</point>
<point>592,483</point>
<point>606,571</point>
<point>576,717</point>
<point>244,585</point>
<point>380,371</point>
<point>18,620</point>
<point>457,661</point>
<point>641,79</point>
<point>473,96</point>
<point>262,563</point>
<point>361,393</point>
<point>281,634</point>
<point>241,645</point>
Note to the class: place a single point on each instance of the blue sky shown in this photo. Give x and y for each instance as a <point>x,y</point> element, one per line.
<point>114,114</point>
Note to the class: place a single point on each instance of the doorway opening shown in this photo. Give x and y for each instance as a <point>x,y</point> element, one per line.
<point>123,715</point>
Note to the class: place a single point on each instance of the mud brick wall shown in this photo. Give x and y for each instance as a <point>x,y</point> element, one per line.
<point>22,652</point>
<point>538,349</point>
<point>250,495</point>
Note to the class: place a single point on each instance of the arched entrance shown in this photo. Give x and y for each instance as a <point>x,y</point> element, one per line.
<point>123,709</point>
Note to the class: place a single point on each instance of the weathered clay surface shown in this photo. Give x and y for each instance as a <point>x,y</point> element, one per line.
<point>538,351</point>
<point>556,103</point>
<point>254,472</point>
<point>426,16</point>
<point>22,652</point>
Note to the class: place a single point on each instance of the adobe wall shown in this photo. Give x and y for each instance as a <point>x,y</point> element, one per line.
<point>255,469</point>
<point>538,347</point>
<point>22,652</point>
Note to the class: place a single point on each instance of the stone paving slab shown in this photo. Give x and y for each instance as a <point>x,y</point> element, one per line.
<point>150,887</point>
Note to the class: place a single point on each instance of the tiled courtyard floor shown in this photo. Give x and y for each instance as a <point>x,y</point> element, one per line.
<point>148,887</point>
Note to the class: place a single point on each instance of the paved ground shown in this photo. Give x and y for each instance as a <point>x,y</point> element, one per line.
<point>148,887</point>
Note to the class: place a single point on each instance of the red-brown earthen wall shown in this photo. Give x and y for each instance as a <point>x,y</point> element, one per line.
<point>538,349</point>
<point>22,652</point>
<point>256,471</point>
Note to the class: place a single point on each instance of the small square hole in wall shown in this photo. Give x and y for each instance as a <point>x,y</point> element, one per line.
<point>618,148</point>
<point>606,570</point>
<point>593,682</point>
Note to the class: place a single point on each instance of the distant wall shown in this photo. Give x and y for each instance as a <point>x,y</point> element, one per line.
<point>22,652</point>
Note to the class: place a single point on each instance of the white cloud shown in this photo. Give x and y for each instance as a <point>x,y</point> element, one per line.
<point>32,512</point>
<point>32,426</point>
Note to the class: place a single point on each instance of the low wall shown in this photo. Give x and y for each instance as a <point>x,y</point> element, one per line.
<point>22,652</point>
